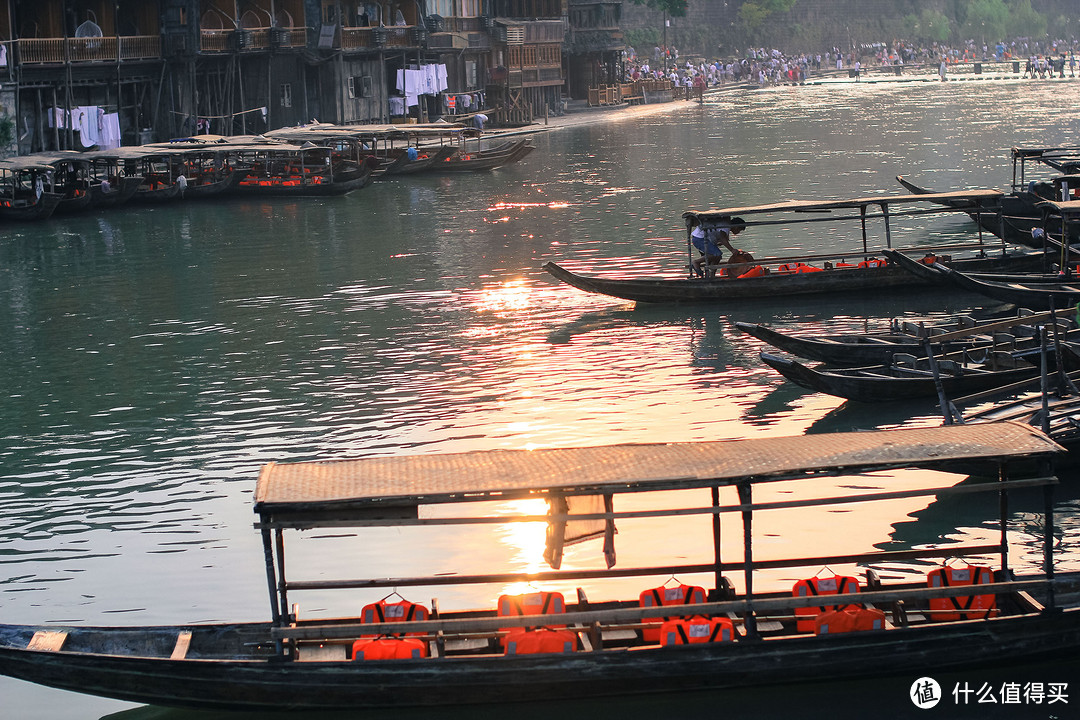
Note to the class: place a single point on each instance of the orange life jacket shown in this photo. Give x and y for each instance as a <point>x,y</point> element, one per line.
<point>849,619</point>
<point>845,265</point>
<point>543,640</point>
<point>678,595</point>
<point>804,268</point>
<point>685,631</point>
<point>388,649</point>
<point>383,611</point>
<point>968,606</point>
<point>929,259</point>
<point>835,585</point>
<point>538,603</point>
<point>788,269</point>
<point>756,271</point>
<point>873,263</point>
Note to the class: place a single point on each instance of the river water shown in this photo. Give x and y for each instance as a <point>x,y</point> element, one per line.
<point>153,358</point>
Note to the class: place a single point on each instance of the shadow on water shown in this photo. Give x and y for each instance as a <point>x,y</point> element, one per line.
<point>887,698</point>
<point>853,415</point>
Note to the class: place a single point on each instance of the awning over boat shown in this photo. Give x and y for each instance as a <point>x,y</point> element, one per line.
<point>975,197</point>
<point>289,494</point>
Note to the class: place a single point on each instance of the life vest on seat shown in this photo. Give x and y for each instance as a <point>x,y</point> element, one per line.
<point>656,597</point>
<point>687,631</point>
<point>873,263</point>
<point>788,269</point>
<point>384,612</point>
<point>538,603</point>
<point>804,268</point>
<point>756,271</point>
<point>968,606</point>
<point>845,265</point>
<point>849,619</point>
<point>388,649</point>
<point>835,585</point>
<point>542,640</point>
<point>928,259</point>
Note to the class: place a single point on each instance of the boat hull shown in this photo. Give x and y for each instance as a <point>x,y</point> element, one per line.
<point>771,286</point>
<point>282,685</point>
<point>876,387</point>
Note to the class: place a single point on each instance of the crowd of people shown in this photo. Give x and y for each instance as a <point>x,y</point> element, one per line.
<point>771,66</point>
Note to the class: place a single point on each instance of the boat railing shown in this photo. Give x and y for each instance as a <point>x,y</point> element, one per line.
<point>761,605</point>
<point>854,252</point>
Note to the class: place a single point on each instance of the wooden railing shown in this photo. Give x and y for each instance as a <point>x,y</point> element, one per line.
<point>357,38</point>
<point>138,47</point>
<point>214,40</point>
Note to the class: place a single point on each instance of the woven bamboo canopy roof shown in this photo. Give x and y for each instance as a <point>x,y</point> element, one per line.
<point>398,485</point>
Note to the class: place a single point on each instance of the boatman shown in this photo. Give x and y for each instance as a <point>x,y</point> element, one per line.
<point>708,242</point>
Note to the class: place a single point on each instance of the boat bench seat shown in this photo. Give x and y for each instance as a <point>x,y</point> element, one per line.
<point>47,640</point>
<point>183,644</point>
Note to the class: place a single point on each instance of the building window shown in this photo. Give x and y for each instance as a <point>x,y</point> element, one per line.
<point>329,12</point>
<point>286,95</point>
<point>470,74</point>
<point>359,86</point>
<point>470,8</point>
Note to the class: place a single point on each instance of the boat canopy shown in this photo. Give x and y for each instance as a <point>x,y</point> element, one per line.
<point>345,492</point>
<point>975,198</point>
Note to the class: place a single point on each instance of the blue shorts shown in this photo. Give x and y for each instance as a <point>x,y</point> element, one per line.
<point>708,247</point>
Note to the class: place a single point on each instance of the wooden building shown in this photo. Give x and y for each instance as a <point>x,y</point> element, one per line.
<point>80,73</point>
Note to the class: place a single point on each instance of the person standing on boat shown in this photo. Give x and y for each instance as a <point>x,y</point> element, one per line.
<point>708,241</point>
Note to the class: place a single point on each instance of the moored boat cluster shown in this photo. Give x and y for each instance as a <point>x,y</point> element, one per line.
<point>312,160</point>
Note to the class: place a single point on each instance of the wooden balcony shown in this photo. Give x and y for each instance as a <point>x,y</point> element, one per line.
<point>56,51</point>
<point>219,41</point>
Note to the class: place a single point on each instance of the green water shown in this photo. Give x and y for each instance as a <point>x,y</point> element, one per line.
<point>153,358</point>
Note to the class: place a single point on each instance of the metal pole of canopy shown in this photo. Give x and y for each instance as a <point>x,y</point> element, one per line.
<point>745,498</point>
<point>283,611</point>
<point>718,573</point>
<point>271,577</point>
<point>862,213</point>
<point>888,232</point>
<point>1003,519</point>
<point>1048,542</point>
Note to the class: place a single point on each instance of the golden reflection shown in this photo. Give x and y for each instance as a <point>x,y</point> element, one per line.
<point>509,296</point>
<point>525,540</point>
<point>508,205</point>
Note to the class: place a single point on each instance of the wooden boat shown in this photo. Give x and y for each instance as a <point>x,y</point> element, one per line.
<point>1021,219</point>
<point>22,190</point>
<point>207,168</point>
<point>479,159</point>
<point>70,178</point>
<point>1017,331</point>
<point>157,168</point>
<point>280,169</point>
<point>477,657</point>
<point>855,269</point>
<point>906,377</point>
<point>1039,293</point>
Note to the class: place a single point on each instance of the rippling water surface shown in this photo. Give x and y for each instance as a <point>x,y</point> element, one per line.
<point>152,358</point>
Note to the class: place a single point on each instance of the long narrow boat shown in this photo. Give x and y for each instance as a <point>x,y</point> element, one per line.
<point>481,159</point>
<point>1039,294</point>
<point>279,169</point>
<point>1021,213</point>
<point>855,269</point>
<point>398,654</point>
<point>23,193</point>
<point>906,378</point>
<point>1016,331</point>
